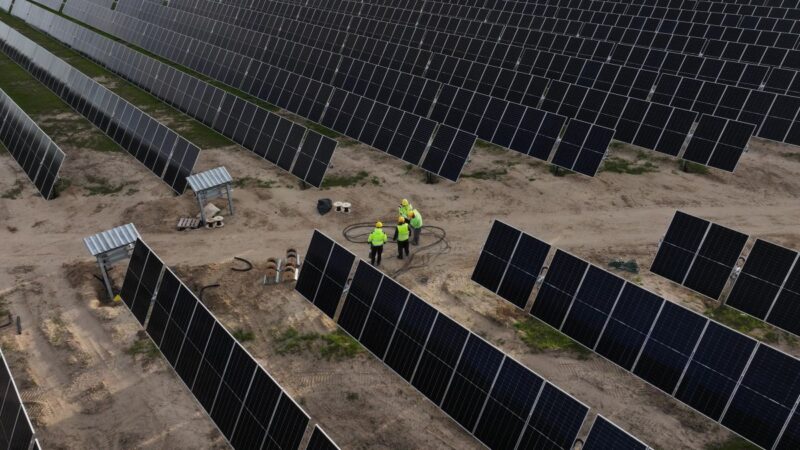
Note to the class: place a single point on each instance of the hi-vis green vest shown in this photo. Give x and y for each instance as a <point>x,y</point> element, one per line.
<point>416,222</point>
<point>377,237</point>
<point>402,232</point>
<point>403,211</point>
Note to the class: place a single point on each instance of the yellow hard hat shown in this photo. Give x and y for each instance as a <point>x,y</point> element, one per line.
<point>378,225</point>
<point>401,220</point>
<point>411,215</point>
<point>404,202</point>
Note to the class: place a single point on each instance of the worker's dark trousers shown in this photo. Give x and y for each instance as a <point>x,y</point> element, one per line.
<point>415,235</point>
<point>375,252</point>
<point>402,245</point>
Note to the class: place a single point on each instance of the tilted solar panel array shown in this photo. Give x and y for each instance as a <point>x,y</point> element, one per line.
<point>492,396</point>
<point>555,58</point>
<point>775,122</point>
<point>702,255</point>
<point>604,435</point>
<point>304,153</point>
<point>746,386</point>
<point>399,133</point>
<point>250,409</point>
<point>168,155</point>
<point>16,430</point>
<point>38,156</point>
<point>698,254</point>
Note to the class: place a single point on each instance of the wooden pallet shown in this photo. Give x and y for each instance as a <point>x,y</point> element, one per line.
<point>188,223</point>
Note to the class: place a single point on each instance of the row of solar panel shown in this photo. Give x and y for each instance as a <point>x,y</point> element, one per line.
<point>250,409</point>
<point>16,430</point>
<point>615,24</point>
<point>774,123</point>
<point>389,129</point>
<point>702,256</point>
<point>164,152</point>
<point>55,5</point>
<point>500,123</point>
<point>664,131</point>
<point>722,14</point>
<point>304,153</point>
<point>330,32</point>
<point>756,7</point>
<point>493,397</point>
<point>37,155</point>
<point>746,386</point>
<point>513,49</point>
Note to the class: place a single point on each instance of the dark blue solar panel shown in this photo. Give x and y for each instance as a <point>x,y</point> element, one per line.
<point>554,422</point>
<point>555,295</point>
<point>604,435</point>
<point>763,273</point>
<point>593,302</point>
<point>625,332</point>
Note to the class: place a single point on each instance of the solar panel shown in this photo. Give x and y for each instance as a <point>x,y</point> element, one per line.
<point>583,147</point>
<point>761,278</point>
<point>469,379</point>
<point>38,156</point>
<point>726,375</point>
<point>718,142</point>
<point>16,430</point>
<point>175,156</point>
<point>606,435</point>
<point>510,263</point>
<point>324,273</point>
<point>320,441</point>
<point>248,407</point>
<point>698,254</point>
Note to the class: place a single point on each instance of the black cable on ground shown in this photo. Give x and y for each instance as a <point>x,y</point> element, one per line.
<point>248,268</point>
<point>202,289</point>
<point>421,255</point>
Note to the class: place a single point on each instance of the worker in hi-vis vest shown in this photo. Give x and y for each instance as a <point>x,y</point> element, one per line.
<point>415,220</point>
<point>401,236</point>
<point>376,240</point>
<point>404,209</point>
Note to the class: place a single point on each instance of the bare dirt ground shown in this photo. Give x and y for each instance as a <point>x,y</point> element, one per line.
<point>87,386</point>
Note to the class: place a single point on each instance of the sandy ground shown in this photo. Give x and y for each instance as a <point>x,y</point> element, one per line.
<point>85,391</point>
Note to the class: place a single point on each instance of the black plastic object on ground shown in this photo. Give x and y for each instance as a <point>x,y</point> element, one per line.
<point>324,206</point>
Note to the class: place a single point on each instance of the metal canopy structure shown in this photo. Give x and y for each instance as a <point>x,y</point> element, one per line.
<point>211,184</point>
<point>110,247</point>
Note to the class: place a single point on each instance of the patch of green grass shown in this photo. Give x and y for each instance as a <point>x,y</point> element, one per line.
<point>243,335</point>
<point>747,324</point>
<point>102,186</point>
<point>339,345</point>
<point>143,347</point>
<point>692,167</point>
<point>291,341</point>
<point>540,337</point>
<point>253,182</point>
<point>321,129</point>
<point>490,174</point>
<point>15,191</point>
<point>732,443</point>
<point>344,180</point>
<point>791,155</point>
<point>628,266</point>
<point>616,145</point>
<point>620,165</point>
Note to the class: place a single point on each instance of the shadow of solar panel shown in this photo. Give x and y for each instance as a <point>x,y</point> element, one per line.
<point>320,441</point>
<point>606,435</point>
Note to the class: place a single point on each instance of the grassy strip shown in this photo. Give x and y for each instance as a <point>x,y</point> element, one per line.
<point>336,345</point>
<point>186,126</point>
<point>540,337</point>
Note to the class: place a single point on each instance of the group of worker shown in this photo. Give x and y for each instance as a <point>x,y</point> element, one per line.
<point>408,229</point>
